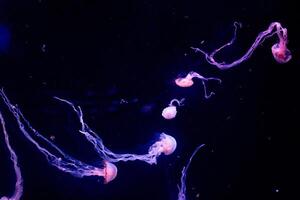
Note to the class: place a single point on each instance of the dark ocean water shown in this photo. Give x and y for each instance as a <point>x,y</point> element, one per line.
<point>118,60</point>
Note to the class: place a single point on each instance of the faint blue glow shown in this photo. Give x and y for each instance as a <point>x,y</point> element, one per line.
<point>5,38</point>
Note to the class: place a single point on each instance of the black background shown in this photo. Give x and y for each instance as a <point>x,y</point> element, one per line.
<point>96,53</point>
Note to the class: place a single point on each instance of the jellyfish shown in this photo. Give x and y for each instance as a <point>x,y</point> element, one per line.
<point>166,144</point>
<point>54,155</point>
<point>13,157</point>
<point>279,50</point>
<point>109,172</point>
<point>182,187</point>
<point>170,111</point>
<point>187,81</point>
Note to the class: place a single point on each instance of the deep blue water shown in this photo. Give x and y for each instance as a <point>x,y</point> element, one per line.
<point>96,53</point>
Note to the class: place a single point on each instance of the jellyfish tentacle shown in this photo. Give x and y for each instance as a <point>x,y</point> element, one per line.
<point>279,50</point>
<point>182,186</point>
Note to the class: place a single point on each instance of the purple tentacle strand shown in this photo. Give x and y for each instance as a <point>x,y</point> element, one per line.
<point>13,157</point>
<point>279,50</point>
<point>56,156</point>
<point>166,144</point>
<point>182,187</point>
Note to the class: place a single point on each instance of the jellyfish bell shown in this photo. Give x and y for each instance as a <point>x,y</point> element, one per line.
<point>168,143</point>
<point>184,82</point>
<point>110,172</point>
<point>169,112</point>
<point>4,198</point>
<point>281,53</point>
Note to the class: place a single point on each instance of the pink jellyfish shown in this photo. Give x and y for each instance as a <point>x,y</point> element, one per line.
<point>166,145</point>
<point>279,50</point>
<point>187,81</point>
<point>109,172</point>
<point>19,180</point>
<point>54,155</point>
<point>171,111</point>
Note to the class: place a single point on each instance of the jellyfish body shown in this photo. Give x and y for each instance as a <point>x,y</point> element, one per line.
<point>166,145</point>
<point>169,144</point>
<point>187,81</point>
<point>280,53</point>
<point>279,50</point>
<point>170,111</point>
<point>109,172</point>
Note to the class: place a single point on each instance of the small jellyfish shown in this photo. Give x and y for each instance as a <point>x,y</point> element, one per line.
<point>166,145</point>
<point>169,144</point>
<point>110,172</point>
<point>171,111</point>
<point>281,53</point>
<point>279,50</point>
<point>187,81</point>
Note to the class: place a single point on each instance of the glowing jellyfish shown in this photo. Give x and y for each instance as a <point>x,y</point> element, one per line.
<point>170,112</point>
<point>187,81</point>
<point>54,155</point>
<point>182,187</point>
<point>279,50</point>
<point>109,172</point>
<point>13,157</point>
<point>166,144</point>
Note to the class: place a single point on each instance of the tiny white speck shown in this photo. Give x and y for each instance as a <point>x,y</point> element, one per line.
<point>43,48</point>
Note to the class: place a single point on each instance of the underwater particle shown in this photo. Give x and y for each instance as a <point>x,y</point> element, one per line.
<point>170,112</point>
<point>123,101</point>
<point>43,48</point>
<point>279,50</point>
<point>276,190</point>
